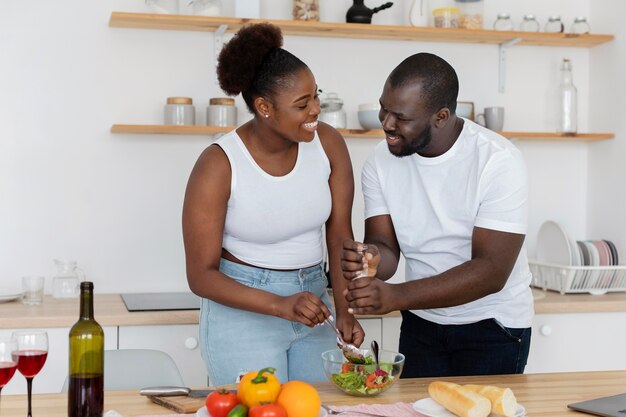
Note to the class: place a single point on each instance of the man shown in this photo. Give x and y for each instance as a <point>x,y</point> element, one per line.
<point>451,196</point>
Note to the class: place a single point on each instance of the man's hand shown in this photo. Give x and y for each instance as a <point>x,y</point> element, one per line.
<point>369,296</point>
<point>355,256</point>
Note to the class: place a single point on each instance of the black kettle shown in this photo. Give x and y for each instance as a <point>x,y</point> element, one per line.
<point>360,13</point>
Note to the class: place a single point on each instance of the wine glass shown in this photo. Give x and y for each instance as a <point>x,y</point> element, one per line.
<point>31,354</point>
<point>8,345</point>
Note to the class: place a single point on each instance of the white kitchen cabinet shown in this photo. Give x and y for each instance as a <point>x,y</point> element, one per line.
<point>391,332</point>
<point>577,342</point>
<point>373,328</point>
<point>54,372</point>
<point>180,341</point>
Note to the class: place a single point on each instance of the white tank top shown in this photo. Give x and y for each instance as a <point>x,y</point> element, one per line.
<point>276,222</point>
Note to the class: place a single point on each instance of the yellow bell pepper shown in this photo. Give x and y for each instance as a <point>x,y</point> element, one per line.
<point>258,387</point>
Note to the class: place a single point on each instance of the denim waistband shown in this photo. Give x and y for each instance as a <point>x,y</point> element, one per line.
<point>252,273</point>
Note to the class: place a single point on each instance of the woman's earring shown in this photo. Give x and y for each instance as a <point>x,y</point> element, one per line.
<point>267,115</point>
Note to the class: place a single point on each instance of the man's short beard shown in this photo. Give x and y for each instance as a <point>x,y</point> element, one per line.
<point>415,146</point>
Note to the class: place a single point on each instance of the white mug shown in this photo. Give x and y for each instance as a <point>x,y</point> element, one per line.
<point>492,118</point>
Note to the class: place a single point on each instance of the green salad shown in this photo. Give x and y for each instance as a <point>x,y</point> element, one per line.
<point>363,379</point>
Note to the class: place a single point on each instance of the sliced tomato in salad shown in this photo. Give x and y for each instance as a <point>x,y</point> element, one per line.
<point>376,381</point>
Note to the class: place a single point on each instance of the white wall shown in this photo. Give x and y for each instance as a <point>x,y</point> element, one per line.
<point>69,188</point>
<point>607,102</point>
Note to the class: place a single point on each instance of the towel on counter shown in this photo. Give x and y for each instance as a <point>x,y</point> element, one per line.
<point>170,415</point>
<point>390,410</point>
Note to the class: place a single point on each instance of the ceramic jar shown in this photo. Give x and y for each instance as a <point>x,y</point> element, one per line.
<point>221,111</point>
<point>179,111</point>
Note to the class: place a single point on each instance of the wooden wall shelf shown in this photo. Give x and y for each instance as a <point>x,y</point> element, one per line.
<point>356,30</point>
<point>348,133</point>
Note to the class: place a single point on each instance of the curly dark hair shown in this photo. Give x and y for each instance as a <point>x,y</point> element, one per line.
<point>254,64</point>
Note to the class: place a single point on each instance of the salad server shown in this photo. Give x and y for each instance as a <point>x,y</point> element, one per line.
<point>351,352</point>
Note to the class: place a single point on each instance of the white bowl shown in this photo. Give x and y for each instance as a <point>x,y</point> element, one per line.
<point>368,116</point>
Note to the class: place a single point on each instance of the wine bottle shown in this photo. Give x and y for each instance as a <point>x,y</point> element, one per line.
<point>86,367</point>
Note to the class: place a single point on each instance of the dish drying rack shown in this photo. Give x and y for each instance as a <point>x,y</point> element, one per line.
<point>565,279</point>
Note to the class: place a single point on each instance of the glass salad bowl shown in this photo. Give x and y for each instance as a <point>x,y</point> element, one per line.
<point>363,380</point>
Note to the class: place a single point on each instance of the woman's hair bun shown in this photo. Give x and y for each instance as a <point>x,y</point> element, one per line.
<point>240,58</point>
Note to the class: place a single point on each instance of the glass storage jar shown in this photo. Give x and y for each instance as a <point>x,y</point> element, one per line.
<point>554,25</point>
<point>503,22</point>
<point>206,7</point>
<point>306,10</point>
<point>221,111</point>
<point>163,6</point>
<point>580,25</point>
<point>332,111</point>
<point>471,13</point>
<point>446,17</point>
<point>179,111</point>
<point>529,24</point>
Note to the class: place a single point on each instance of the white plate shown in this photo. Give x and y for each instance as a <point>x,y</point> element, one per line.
<point>553,245</point>
<point>431,408</point>
<point>8,294</point>
<point>204,413</point>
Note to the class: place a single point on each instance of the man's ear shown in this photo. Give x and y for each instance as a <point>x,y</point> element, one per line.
<point>441,118</point>
<point>263,107</point>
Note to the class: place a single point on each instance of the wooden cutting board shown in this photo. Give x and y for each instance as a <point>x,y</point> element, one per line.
<point>180,404</point>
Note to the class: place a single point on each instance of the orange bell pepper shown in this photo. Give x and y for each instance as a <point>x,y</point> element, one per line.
<point>258,387</point>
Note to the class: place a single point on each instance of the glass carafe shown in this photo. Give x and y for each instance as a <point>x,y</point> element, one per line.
<point>66,282</point>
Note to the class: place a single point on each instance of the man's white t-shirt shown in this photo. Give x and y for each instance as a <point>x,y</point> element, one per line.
<point>435,203</point>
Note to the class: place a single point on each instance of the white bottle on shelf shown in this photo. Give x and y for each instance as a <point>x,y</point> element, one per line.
<point>568,100</point>
<point>420,13</point>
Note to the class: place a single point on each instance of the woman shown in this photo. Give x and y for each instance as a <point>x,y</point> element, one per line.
<point>256,203</point>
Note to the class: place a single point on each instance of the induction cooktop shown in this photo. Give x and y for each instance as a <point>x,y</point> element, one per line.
<point>162,301</point>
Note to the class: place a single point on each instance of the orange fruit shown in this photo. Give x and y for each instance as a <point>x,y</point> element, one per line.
<point>299,399</point>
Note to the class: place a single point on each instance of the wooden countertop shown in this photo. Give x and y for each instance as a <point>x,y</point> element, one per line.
<point>111,311</point>
<point>541,394</point>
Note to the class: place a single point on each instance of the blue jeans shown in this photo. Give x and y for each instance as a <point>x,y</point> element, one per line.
<point>235,341</point>
<point>482,348</point>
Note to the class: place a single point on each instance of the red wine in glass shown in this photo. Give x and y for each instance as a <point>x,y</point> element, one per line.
<point>30,361</point>
<point>7,364</point>
<point>7,369</point>
<point>31,354</point>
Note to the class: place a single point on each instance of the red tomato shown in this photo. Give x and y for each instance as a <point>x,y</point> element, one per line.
<point>267,410</point>
<point>220,402</point>
<point>373,381</point>
<point>350,367</point>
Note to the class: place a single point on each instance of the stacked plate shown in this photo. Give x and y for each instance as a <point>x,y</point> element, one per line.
<point>9,294</point>
<point>555,247</point>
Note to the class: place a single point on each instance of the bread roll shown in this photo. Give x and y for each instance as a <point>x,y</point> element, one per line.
<point>461,401</point>
<point>503,401</point>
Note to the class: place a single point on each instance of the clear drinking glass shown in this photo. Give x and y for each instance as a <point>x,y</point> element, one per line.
<point>8,345</point>
<point>30,356</point>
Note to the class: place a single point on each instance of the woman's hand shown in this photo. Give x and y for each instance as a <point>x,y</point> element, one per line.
<point>303,307</point>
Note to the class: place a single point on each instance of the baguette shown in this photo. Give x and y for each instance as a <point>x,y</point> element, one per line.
<point>459,400</point>
<point>503,401</point>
